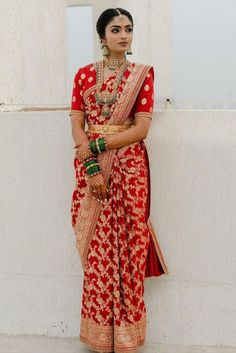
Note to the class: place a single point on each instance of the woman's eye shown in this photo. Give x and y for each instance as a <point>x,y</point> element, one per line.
<point>116,30</point>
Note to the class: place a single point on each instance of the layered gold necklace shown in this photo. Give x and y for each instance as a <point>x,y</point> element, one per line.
<point>106,98</point>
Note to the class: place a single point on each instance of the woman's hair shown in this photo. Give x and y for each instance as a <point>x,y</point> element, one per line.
<point>107,16</point>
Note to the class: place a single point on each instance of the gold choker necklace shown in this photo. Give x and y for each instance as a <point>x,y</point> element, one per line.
<point>113,64</point>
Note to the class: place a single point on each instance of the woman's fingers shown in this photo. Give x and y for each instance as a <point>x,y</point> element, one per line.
<point>104,192</point>
<point>100,192</point>
<point>98,188</point>
<point>97,192</point>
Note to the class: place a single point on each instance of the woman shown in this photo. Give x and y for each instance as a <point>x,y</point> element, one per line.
<point>111,201</point>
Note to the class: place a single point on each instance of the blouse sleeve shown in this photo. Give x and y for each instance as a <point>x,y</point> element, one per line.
<point>145,100</point>
<point>77,102</point>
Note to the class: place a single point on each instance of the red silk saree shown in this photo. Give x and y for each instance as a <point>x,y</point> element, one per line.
<point>117,244</point>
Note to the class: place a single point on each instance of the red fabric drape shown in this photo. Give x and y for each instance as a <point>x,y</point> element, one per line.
<point>153,265</point>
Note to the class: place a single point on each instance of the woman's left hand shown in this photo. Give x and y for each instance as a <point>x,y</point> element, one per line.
<point>98,187</point>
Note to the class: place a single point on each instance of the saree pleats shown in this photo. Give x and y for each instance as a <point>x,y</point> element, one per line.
<point>113,310</point>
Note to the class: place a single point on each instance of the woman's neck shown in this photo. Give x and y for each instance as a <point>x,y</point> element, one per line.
<point>117,56</point>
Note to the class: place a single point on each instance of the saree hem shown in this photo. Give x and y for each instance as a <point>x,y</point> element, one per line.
<point>110,350</point>
<point>119,339</point>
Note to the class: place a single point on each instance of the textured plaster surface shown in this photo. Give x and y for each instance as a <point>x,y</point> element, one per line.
<point>192,157</point>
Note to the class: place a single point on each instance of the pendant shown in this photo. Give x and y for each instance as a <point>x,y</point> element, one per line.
<point>106,111</point>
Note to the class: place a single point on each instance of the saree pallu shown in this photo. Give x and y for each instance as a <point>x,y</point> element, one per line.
<point>118,248</point>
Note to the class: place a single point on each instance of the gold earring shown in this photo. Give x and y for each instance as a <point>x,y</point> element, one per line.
<point>105,51</point>
<point>129,51</point>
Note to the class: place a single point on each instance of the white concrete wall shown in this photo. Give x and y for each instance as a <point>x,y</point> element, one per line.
<point>152,42</point>
<point>33,53</point>
<point>193,158</point>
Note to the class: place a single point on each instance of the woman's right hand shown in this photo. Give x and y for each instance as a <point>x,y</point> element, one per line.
<point>98,187</point>
<point>83,152</point>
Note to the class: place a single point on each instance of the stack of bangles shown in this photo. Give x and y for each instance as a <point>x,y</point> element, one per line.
<point>91,163</point>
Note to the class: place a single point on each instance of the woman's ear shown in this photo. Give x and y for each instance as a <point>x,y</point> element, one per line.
<point>103,42</point>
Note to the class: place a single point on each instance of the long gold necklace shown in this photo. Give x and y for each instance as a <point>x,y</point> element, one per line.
<point>105,98</point>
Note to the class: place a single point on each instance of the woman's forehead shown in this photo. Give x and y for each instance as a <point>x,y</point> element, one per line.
<point>121,21</point>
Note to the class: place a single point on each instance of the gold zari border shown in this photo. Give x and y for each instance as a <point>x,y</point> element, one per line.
<point>77,113</point>
<point>107,129</point>
<point>126,338</point>
<point>144,114</point>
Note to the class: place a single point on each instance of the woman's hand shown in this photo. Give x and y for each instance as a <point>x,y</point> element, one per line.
<point>83,152</point>
<point>98,187</point>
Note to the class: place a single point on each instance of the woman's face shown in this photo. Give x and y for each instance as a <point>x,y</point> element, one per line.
<point>119,34</point>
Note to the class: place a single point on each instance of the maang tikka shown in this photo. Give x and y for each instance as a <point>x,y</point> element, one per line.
<point>129,51</point>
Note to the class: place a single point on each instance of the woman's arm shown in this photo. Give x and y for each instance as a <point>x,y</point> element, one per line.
<point>134,134</point>
<point>142,113</point>
<point>77,127</point>
<point>98,187</point>
<point>142,116</point>
<point>77,111</point>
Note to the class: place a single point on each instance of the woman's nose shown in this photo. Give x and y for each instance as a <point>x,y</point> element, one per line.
<point>123,35</point>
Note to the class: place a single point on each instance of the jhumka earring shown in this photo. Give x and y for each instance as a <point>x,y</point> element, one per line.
<point>129,51</point>
<point>105,51</point>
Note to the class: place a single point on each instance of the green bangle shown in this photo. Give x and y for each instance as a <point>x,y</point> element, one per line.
<point>93,147</point>
<point>102,144</point>
<point>98,145</point>
<point>87,163</point>
<point>93,170</point>
<point>92,166</point>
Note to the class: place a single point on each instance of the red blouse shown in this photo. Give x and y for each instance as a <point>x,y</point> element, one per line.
<point>84,88</point>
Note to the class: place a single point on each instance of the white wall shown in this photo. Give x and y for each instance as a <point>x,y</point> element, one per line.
<point>152,42</point>
<point>33,54</point>
<point>203,55</point>
<point>192,157</point>
<point>80,40</point>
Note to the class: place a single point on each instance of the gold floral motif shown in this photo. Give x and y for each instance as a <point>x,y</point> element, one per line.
<point>144,101</point>
<point>94,113</point>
